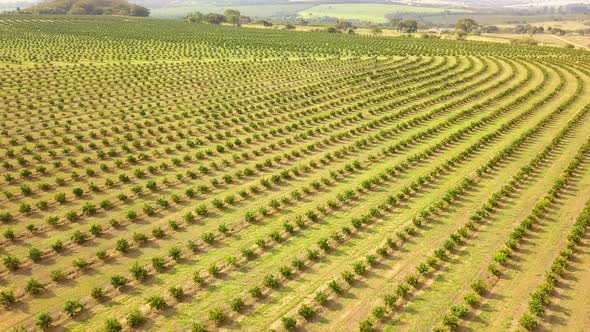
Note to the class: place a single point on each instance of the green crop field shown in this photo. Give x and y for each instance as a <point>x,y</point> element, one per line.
<point>158,175</point>
<point>371,12</point>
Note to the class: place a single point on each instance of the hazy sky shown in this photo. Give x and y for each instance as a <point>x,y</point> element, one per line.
<point>14,1</point>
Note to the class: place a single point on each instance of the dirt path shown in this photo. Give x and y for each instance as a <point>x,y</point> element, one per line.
<point>570,42</point>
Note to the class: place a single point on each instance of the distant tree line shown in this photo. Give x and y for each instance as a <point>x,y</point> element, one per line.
<point>341,26</point>
<point>408,25</point>
<point>88,7</point>
<point>531,30</point>
<point>230,16</point>
<point>265,23</point>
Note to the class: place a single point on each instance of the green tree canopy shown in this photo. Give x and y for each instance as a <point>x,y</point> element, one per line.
<point>466,25</point>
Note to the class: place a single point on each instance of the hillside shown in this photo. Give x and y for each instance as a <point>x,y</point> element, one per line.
<point>160,175</point>
<point>89,7</point>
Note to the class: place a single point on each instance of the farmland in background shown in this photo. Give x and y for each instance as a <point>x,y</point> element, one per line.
<point>254,11</point>
<point>370,12</point>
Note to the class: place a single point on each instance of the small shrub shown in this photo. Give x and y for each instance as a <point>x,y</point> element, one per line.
<point>479,287</point>
<point>176,292</point>
<point>72,307</point>
<point>366,326</point>
<point>471,299</point>
<point>217,316</point>
<point>459,311</point>
<point>321,298</point>
<point>528,322</point>
<point>270,281</point>
<point>57,276</point>
<point>135,319</point>
<point>289,323</point>
<point>44,321</point>
<point>379,312</point>
<point>255,292</point>
<point>237,304</point>
<point>118,281</point>
<point>138,272</point>
<point>122,245</point>
<point>34,287</point>
<point>96,293</point>
<point>112,325</point>
<point>7,298</point>
<point>156,302</point>
<point>306,312</point>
